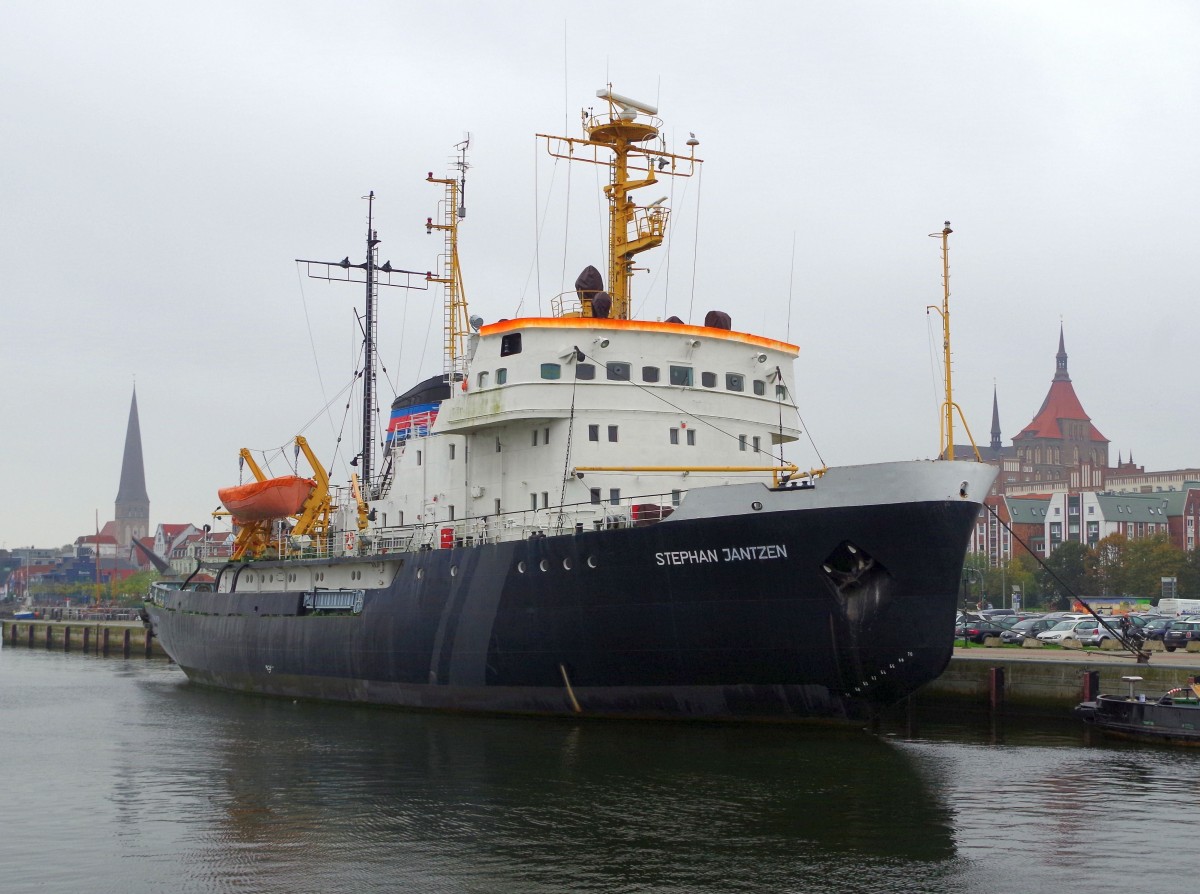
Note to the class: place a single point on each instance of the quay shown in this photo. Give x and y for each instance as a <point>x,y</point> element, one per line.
<point>114,639</point>
<point>1014,681</point>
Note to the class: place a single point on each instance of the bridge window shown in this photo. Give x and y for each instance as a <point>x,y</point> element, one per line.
<point>510,344</point>
<point>618,372</point>
<point>585,371</point>
<point>501,376</point>
<point>735,382</point>
<point>708,380</point>
<point>681,375</point>
<point>551,371</point>
<point>649,373</point>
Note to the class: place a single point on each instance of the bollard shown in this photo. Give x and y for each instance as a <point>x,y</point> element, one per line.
<point>1091,685</point>
<point>996,687</point>
<point>125,644</point>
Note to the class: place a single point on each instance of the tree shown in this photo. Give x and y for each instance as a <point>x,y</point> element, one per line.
<point>1147,562</point>
<point>1065,574</point>
<point>1189,575</point>
<point>1106,570</point>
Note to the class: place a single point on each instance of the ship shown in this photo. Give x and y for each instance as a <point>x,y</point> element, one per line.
<point>585,514</point>
<point>1171,719</point>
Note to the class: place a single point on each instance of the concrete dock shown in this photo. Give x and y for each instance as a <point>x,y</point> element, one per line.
<point>1012,681</point>
<point>114,639</point>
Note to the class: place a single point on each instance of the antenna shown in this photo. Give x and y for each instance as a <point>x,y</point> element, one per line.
<point>341,270</point>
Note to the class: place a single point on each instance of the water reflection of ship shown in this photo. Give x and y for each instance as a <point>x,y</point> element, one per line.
<point>560,805</point>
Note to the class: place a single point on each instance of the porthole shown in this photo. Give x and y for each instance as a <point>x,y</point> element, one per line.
<point>521,567</point>
<point>567,564</point>
<point>591,561</point>
<point>756,506</point>
<point>544,565</point>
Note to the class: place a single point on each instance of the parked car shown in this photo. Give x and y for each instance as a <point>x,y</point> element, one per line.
<point>1063,630</point>
<point>1137,629</point>
<point>1156,627</point>
<point>1092,633</point>
<point>1028,627</point>
<point>1180,633</point>
<point>977,631</point>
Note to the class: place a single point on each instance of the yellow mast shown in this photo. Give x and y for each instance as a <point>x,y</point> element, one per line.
<point>454,313</point>
<point>632,228</point>
<point>949,407</point>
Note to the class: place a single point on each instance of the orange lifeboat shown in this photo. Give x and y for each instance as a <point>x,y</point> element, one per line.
<point>273,498</point>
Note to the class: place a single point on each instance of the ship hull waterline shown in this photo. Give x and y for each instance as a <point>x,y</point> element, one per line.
<point>819,613</point>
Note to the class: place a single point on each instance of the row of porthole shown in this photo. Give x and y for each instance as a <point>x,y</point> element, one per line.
<point>567,564</point>
<point>543,565</point>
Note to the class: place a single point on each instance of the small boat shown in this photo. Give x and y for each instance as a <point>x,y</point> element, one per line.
<point>273,498</point>
<point>1171,719</point>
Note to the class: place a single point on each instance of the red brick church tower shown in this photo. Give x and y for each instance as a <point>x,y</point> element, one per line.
<point>1061,444</point>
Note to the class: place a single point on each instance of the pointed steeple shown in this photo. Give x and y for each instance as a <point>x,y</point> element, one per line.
<point>996,445</point>
<point>1060,369</point>
<point>133,503</point>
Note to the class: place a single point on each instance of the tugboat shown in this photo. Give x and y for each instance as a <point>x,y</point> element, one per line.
<point>588,514</point>
<point>1172,719</point>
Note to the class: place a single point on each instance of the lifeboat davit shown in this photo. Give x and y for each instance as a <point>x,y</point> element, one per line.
<point>273,498</point>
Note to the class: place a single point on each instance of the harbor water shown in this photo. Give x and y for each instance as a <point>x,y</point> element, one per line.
<point>119,776</point>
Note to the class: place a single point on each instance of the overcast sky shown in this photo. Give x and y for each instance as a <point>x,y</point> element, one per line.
<point>162,164</point>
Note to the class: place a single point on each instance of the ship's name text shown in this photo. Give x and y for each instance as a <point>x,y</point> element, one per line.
<point>724,554</point>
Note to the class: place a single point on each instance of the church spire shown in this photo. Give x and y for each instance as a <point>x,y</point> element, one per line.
<point>995,421</point>
<point>1060,368</point>
<point>133,503</point>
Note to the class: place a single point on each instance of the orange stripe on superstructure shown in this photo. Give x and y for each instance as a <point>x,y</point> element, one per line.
<point>593,323</point>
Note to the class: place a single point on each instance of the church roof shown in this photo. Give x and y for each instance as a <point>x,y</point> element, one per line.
<point>1061,403</point>
<point>133,474</point>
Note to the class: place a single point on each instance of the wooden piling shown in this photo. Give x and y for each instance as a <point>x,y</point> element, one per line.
<point>29,632</point>
<point>149,643</point>
<point>125,643</point>
<point>87,636</point>
<point>1091,685</point>
<point>67,638</point>
<point>996,689</point>
<point>104,641</point>
<point>49,636</point>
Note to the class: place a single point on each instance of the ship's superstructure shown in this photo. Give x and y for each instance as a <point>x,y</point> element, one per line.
<point>588,513</point>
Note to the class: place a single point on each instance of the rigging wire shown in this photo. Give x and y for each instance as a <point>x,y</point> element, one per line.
<point>562,497</point>
<point>1142,656</point>
<point>313,344</point>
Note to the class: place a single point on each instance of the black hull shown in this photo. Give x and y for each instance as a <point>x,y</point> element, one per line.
<point>818,613</point>
<point>1165,722</point>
